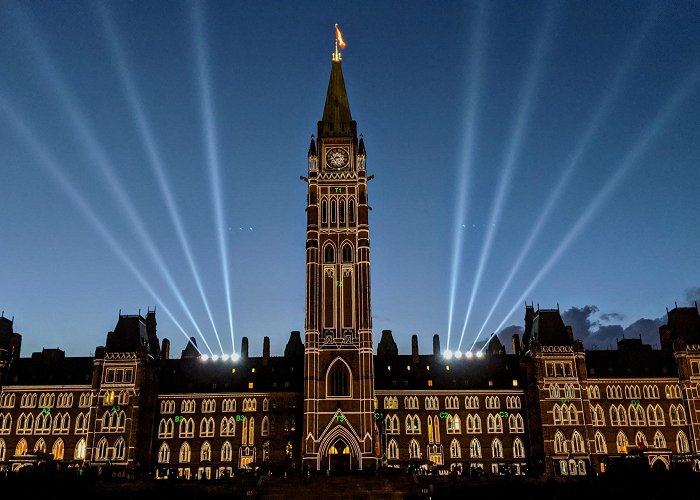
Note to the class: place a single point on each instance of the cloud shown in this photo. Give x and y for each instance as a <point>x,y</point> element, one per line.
<point>607,317</point>
<point>605,334</point>
<point>579,318</point>
<point>647,329</point>
<point>589,327</point>
<point>692,294</point>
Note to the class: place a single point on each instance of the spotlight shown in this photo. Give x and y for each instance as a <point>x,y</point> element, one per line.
<point>214,357</point>
<point>235,357</point>
<point>479,354</point>
<point>100,158</point>
<point>510,162</point>
<point>458,354</point>
<point>648,134</point>
<point>469,355</point>
<point>212,152</point>
<point>574,160</point>
<point>149,143</point>
<point>465,173</point>
<point>204,357</point>
<point>55,170</point>
<point>224,357</point>
<point>447,354</point>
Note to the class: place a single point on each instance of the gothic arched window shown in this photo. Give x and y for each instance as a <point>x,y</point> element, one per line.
<point>341,210</point>
<point>333,211</point>
<point>338,379</point>
<point>347,253</point>
<point>329,254</point>
<point>324,211</point>
<point>351,211</point>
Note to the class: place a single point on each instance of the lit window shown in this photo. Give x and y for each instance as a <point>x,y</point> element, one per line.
<point>250,385</point>
<point>430,383</point>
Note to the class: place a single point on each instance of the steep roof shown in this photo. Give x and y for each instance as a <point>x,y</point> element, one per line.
<point>337,120</point>
<point>548,328</point>
<point>625,363</point>
<point>280,374</point>
<point>431,372</point>
<point>50,367</point>
<point>129,335</point>
<point>684,322</point>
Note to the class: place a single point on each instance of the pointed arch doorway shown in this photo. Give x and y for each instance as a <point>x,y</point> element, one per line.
<point>339,457</point>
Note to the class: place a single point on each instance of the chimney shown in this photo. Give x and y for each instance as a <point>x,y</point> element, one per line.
<point>414,348</point>
<point>266,351</point>
<point>151,332</point>
<point>436,345</point>
<point>244,348</point>
<point>294,346</point>
<point>387,346</point>
<point>516,344</point>
<point>165,349</point>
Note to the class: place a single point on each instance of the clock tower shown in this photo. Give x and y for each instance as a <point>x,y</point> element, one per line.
<point>339,426</point>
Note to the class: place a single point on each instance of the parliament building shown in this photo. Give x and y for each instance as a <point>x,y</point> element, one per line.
<point>335,399</point>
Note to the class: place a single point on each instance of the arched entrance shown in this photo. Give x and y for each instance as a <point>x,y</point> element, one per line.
<point>659,464</point>
<point>339,456</point>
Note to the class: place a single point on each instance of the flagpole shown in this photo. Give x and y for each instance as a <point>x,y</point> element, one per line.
<point>336,54</point>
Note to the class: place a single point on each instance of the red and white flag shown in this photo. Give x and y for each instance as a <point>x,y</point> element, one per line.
<point>339,37</point>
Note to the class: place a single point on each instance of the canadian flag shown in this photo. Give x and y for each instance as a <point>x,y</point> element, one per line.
<point>339,37</point>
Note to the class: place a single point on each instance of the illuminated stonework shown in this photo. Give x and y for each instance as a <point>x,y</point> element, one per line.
<point>334,401</point>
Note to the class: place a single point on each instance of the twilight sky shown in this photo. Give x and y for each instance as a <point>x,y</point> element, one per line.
<point>553,147</point>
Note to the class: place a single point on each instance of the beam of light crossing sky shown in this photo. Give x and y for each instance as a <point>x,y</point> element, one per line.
<point>645,139</point>
<point>465,172</point>
<point>101,159</point>
<point>149,144</point>
<point>56,172</point>
<point>212,152</point>
<point>574,160</point>
<point>513,150</point>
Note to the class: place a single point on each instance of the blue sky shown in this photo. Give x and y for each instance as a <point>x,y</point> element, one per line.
<point>514,93</point>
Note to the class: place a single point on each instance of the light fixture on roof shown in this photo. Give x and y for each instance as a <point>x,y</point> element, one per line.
<point>204,357</point>
<point>469,355</point>
<point>224,357</point>
<point>458,354</point>
<point>479,354</point>
<point>235,357</point>
<point>214,357</point>
<point>447,354</point>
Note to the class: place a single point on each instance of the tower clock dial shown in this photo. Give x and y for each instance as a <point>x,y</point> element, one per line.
<point>336,158</point>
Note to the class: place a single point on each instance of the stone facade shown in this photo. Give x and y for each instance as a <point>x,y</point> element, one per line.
<point>547,408</point>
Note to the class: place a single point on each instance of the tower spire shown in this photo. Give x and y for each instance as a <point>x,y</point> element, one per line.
<point>337,120</point>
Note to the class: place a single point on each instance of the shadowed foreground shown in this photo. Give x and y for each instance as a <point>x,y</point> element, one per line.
<point>649,486</point>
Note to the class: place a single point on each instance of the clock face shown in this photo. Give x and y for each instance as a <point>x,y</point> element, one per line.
<point>336,158</point>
